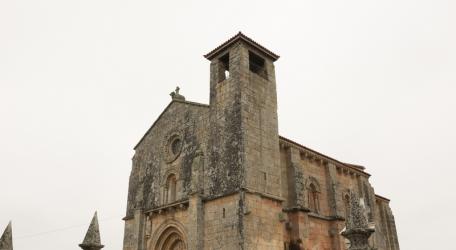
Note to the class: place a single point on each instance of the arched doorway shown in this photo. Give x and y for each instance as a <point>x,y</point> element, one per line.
<point>171,239</point>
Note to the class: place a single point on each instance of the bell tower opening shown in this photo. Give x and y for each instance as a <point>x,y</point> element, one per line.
<point>257,65</point>
<point>224,67</point>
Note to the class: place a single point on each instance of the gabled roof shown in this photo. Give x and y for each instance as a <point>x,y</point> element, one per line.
<point>164,111</point>
<point>241,37</point>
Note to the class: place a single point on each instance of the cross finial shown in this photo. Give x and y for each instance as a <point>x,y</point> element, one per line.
<point>176,96</point>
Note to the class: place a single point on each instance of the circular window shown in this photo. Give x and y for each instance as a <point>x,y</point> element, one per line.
<point>176,146</point>
<point>172,147</point>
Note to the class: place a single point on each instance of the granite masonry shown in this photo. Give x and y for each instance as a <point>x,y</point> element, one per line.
<point>219,176</point>
<point>92,238</point>
<point>6,241</point>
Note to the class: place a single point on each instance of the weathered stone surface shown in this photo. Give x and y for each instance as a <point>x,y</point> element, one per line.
<point>357,229</point>
<point>92,238</point>
<point>6,241</point>
<point>233,182</point>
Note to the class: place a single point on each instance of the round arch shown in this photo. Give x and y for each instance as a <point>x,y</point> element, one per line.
<point>169,236</point>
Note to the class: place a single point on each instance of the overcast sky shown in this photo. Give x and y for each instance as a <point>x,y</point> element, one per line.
<point>366,82</point>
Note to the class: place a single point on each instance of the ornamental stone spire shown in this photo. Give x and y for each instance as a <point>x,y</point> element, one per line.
<point>92,237</point>
<point>6,241</point>
<point>357,229</point>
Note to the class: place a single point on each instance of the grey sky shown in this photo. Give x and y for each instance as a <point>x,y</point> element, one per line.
<point>366,82</point>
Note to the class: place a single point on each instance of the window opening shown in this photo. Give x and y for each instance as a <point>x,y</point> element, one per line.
<point>170,189</point>
<point>313,198</point>
<point>224,67</point>
<point>257,65</point>
<point>175,146</point>
<point>346,204</point>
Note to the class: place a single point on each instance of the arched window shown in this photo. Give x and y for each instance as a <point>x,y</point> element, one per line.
<point>346,204</point>
<point>170,189</point>
<point>314,203</point>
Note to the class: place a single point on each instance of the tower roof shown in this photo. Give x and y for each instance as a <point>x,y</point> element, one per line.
<point>241,37</point>
<point>6,241</point>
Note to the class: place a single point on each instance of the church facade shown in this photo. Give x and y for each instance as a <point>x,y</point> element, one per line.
<point>219,176</point>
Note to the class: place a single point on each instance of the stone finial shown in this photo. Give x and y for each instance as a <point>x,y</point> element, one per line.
<point>357,229</point>
<point>176,96</point>
<point>6,241</point>
<point>92,237</point>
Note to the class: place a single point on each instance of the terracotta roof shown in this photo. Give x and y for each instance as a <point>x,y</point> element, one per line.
<point>241,37</point>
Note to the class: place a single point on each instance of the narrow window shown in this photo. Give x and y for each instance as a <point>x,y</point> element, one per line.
<point>171,188</point>
<point>257,65</point>
<point>346,205</point>
<point>314,204</point>
<point>223,215</point>
<point>224,67</point>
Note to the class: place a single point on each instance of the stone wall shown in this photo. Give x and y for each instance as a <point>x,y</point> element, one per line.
<point>235,183</point>
<point>154,161</point>
<point>334,179</point>
<point>223,224</point>
<point>263,223</point>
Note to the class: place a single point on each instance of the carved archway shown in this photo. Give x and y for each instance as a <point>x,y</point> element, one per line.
<point>171,237</point>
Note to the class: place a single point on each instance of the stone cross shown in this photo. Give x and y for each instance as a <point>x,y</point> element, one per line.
<point>176,96</point>
<point>6,241</point>
<point>357,229</point>
<point>92,237</point>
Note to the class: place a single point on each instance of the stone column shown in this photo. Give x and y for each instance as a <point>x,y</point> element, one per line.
<point>332,187</point>
<point>195,208</point>
<point>92,237</point>
<point>357,229</point>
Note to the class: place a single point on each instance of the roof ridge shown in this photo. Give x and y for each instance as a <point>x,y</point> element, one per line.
<point>241,36</point>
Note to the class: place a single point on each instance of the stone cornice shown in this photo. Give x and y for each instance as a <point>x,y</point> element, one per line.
<point>181,204</point>
<point>382,198</point>
<point>320,158</point>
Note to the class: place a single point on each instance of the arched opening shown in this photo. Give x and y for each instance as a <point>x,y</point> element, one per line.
<point>346,204</point>
<point>314,203</point>
<point>171,239</point>
<point>170,189</point>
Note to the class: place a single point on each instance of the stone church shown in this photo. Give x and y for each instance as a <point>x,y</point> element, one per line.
<point>219,176</point>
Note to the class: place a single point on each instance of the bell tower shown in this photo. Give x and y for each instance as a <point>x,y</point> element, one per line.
<point>243,141</point>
